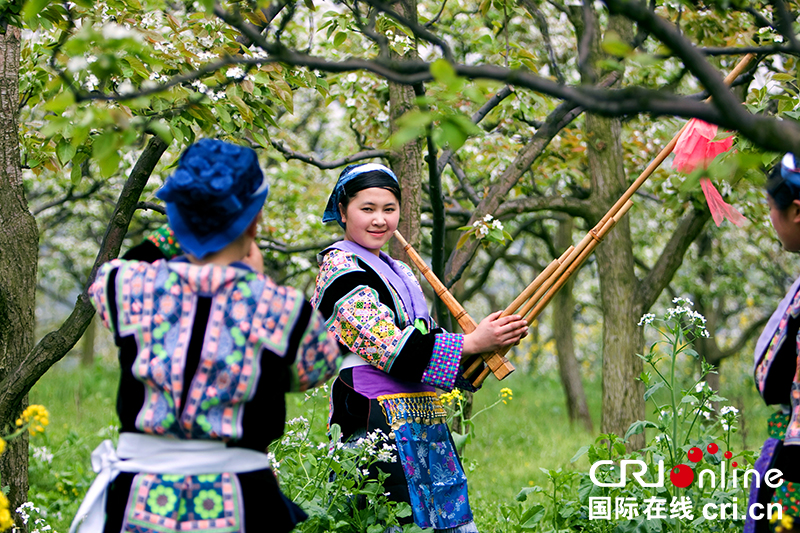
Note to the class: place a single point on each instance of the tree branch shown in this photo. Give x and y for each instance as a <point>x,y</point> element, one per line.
<point>152,206</point>
<point>671,257</point>
<point>327,165</point>
<point>56,344</point>
<point>563,204</point>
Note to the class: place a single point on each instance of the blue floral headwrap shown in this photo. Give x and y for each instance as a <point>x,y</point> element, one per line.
<point>349,172</point>
<point>216,192</point>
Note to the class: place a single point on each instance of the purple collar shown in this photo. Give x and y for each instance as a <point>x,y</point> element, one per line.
<point>401,279</point>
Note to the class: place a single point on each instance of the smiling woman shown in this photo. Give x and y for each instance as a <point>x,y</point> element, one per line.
<point>395,354</point>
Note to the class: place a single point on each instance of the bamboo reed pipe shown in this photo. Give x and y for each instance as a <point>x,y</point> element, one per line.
<point>536,283</point>
<point>662,155</point>
<point>499,365</point>
<point>577,263</point>
<point>466,322</point>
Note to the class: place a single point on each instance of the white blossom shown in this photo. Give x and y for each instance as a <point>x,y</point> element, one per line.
<point>646,319</point>
<point>728,409</point>
<point>235,72</point>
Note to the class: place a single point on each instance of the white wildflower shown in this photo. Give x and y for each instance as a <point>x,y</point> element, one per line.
<point>646,319</point>
<point>728,409</point>
<point>91,58</point>
<point>700,387</point>
<point>351,78</point>
<point>350,102</point>
<point>235,72</point>
<point>42,454</point>
<point>682,301</point>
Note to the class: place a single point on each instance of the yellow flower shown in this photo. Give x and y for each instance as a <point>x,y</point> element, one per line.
<point>5,520</point>
<point>506,394</point>
<point>5,515</point>
<point>37,416</point>
<point>787,521</point>
<point>2,445</point>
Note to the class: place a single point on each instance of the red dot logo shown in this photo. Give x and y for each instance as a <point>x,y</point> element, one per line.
<point>681,476</point>
<point>712,448</point>
<point>728,454</point>
<point>695,455</point>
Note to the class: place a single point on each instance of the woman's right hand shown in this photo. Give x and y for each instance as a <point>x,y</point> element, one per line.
<point>493,333</point>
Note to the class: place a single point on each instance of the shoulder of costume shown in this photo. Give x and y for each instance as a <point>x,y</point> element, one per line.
<point>334,263</point>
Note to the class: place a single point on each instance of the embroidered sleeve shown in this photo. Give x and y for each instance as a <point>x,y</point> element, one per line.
<point>318,356</point>
<point>780,358</point>
<point>443,367</point>
<point>98,292</point>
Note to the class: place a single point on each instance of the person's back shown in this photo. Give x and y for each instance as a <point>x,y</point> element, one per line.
<point>208,347</point>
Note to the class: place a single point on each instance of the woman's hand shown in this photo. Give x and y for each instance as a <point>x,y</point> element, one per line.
<point>494,332</point>
<point>254,259</point>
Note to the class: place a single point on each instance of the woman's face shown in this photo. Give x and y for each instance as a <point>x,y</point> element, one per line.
<point>787,224</point>
<point>371,218</point>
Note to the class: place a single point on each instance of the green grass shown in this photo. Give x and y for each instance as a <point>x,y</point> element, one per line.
<point>510,446</point>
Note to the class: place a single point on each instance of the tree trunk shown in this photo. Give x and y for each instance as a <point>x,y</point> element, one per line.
<point>406,162</point>
<point>87,343</point>
<point>19,249</point>
<point>623,401</point>
<point>563,311</point>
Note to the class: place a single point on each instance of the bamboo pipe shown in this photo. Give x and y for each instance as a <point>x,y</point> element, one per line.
<point>466,322</point>
<point>535,284</point>
<point>577,263</point>
<point>664,153</point>
<point>499,365</point>
<point>584,249</point>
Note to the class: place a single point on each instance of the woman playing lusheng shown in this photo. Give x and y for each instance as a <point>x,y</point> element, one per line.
<point>208,346</point>
<point>777,368</point>
<point>395,357</point>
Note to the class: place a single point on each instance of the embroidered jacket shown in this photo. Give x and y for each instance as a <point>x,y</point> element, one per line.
<point>206,352</point>
<point>368,318</point>
<point>777,373</point>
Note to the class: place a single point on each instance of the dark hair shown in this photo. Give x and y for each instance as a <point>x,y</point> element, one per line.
<point>782,192</point>
<point>368,180</point>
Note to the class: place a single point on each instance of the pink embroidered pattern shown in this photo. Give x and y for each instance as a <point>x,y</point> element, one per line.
<point>442,370</point>
<point>367,328</point>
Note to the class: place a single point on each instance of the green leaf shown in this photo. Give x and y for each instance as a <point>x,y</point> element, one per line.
<point>58,104</point>
<point>339,38</point>
<point>104,144</point>
<point>614,45</point>
<point>75,174</point>
<point>523,494</point>
<point>462,240</point>
<point>638,427</point>
<point>652,389</point>
<point>65,151</point>
<point>32,9</point>
<point>532,516</point>
<point>443,71</point>
<point>109,164</point>
<point>260,139</point>
<point>580,453</point>
<point>162,129</point>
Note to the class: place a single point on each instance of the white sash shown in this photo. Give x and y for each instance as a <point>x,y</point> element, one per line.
<point>156,455</point>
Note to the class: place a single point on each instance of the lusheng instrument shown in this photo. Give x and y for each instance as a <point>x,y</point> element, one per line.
<point>532,301</point>
<point>498,364</point>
